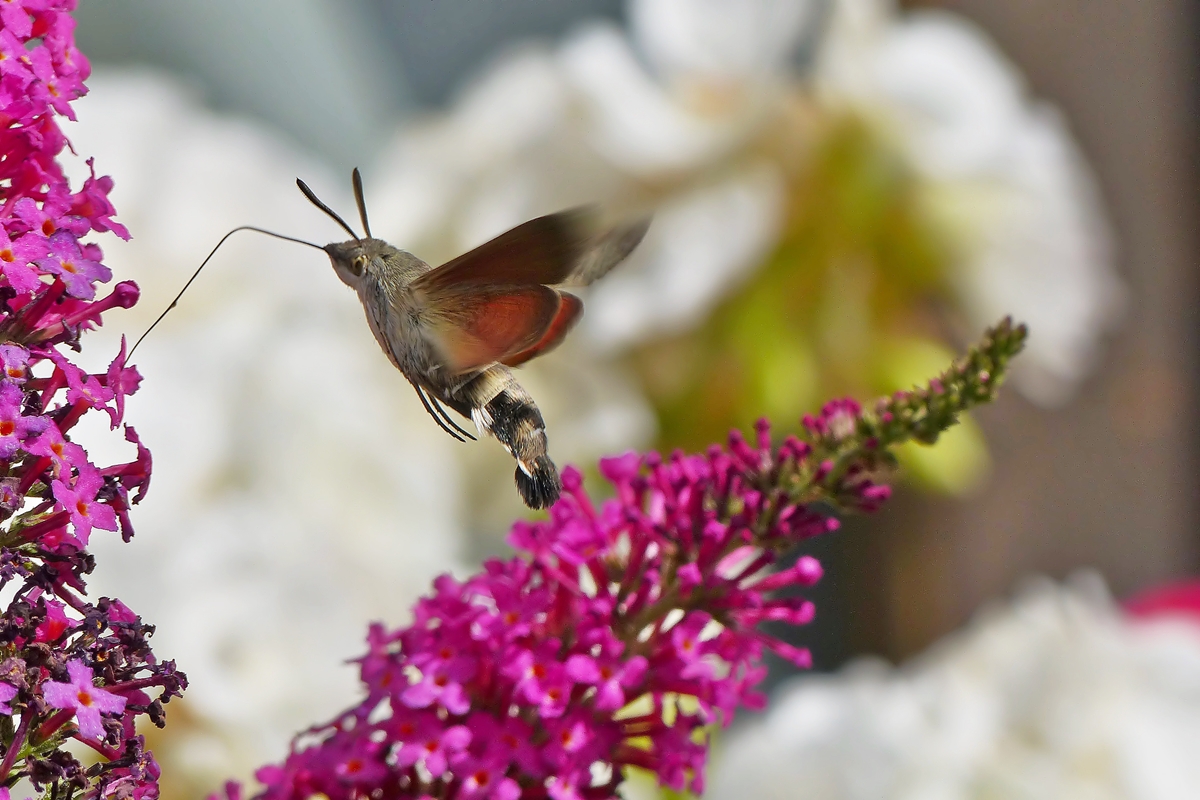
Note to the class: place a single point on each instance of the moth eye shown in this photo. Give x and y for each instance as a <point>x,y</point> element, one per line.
<point>358,265</point>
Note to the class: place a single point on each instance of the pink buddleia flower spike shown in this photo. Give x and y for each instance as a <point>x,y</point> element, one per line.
<point>72,668</point>
<point>623,631</point>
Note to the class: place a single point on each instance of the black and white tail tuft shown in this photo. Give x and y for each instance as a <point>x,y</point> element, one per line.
<point>541,488</point>
<point>502,408</point>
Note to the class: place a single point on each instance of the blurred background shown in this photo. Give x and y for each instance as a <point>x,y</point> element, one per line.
<point>847,192</point>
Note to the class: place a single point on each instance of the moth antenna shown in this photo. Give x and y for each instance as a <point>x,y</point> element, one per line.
<point>446,416</point>
<point>362,204</point>
<point>432,413</point>
<point>195,274</point>
<point>316,201</point>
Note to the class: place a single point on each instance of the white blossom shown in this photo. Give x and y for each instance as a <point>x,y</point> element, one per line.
<point>1055,694</point>
<point>1003,173</point>
<point>671,109</point>
<point>589,122</point>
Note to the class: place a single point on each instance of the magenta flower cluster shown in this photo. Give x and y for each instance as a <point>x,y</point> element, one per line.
<point>69,668</point>
<point>622,632</point>
<point>616,640</point>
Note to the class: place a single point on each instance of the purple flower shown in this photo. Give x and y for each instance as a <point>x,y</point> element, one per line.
<point>49,218</point>
<point>52,87</point>
<point>622,632</point>
<point>16,260</point>
<point>14,362</point>
<point>55,624</point>
<point>49,275</point>
<point>69,263</point>
<point>92,203</point>
<point>610,675</point>
<point>64,456</point>
<point>120,614</point>
<point>82,695</point>
<point>81,387</point>
<point>121,380</point>
<point>80,501</point>
<point>11,62</point>
<point>539,678</point>
<point>14,427</point>
<point>487,780</point>
<point>560,656</point>
<point>7,693</point>
<point>502,741</point>
<point>432,746</point>
<point>15,16</point>
<point>436,686</point>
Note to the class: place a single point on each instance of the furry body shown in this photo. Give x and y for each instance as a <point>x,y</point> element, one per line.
<point>490,397</point>
<point>454,330</point>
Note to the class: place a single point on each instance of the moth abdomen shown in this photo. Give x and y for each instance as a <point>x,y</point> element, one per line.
<point>514,419</point>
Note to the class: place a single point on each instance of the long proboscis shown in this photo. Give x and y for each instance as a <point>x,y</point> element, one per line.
<point>207,258</point>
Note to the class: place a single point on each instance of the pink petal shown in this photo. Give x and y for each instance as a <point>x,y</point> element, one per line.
<point>507,790</point>
<point>435,762</point>
<point>102,516</point>
<point>107,701</point>
<point>635,670</point>
<point>408,755</point>
<point>583,669</point>
<point>456,738</point>
<point>60,695</point>
<point>419,695</point>
<point>89,723</point>
<point>610,697</point>
<point>81,675</point>
<point>455,700</point>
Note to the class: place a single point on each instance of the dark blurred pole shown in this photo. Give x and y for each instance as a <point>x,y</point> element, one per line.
<point>1110,480</point>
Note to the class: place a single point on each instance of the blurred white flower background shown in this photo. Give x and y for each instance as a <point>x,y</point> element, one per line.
<point>676,109</point>
<point>1055,693</point>
<point>1004,174</point>
<point>300,491</point>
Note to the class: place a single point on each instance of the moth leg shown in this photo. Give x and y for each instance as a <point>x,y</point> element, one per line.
<point>436,418</point>
<point>450,420</point>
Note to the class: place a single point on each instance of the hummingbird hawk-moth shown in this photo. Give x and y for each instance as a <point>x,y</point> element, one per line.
<point>455,331</point>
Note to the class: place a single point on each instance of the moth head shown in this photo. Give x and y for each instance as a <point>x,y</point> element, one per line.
<point>350,260</point>
<point>357,259</point>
